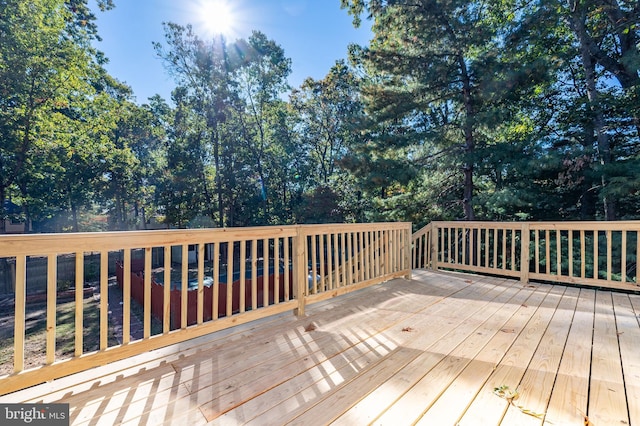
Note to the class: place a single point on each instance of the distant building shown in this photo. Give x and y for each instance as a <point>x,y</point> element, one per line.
<point>14,223</point>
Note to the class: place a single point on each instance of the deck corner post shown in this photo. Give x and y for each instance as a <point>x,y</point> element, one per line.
<point>433,242</point>
<point>525,257</point>
<point>299,270</point>
<point>408,258</point>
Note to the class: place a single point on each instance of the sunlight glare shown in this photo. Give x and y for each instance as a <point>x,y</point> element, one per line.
<point>217,16</point>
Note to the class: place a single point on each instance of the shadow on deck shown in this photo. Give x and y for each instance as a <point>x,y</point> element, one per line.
<point>431,350</point>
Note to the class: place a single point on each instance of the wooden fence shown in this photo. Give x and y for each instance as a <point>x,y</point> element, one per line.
<point>311,263</point>
<point>603,254</point>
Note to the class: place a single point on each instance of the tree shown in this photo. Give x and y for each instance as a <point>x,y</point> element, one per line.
<point>46,63</point>
<point>595,124</point>
<point>261,80</point>
<point>330,111</point>
<point>202,69</point>
<point>432,68</point>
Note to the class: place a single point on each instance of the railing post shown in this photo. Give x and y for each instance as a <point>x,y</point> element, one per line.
<point>524,252</point>
<point>433,241</point>
<point>299,270</point>
<point>407,252</point>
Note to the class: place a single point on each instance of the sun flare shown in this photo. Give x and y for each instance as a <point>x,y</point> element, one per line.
<point>217,17</point>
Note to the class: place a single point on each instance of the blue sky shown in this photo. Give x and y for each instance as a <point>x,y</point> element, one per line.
<point>313,33</point>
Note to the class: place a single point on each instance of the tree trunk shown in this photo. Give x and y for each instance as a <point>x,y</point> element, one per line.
<point>469,142</point>
<point>216,160</point>
<point>3,213</point>
<point>74,213</point>
<point>578,18</point>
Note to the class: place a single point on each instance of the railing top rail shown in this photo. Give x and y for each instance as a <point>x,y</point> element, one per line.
<point>31,244</point>
<point>351,227</point>
<point>43,244</point>
<point>590,225</point>
<point>422,231</point>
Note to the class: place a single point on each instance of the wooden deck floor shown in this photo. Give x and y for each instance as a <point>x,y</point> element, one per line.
<point>429,351</point>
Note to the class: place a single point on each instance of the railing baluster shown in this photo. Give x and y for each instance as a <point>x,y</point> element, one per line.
<point>486,247</point>
<point>477,259</point>
<point>147,291</point>
<point>419,257</point>
<point>52,291</point>
<point>243,280</point>
<point>547,256</point>
<point>276,270</point>
<point>328,281</point>
<point>286,247</point>
<point>525,254</point>
<point>495,248</point>
<point>126,297</point>
<point>637,277</point>
<point>537,250</point>
<point>20,313</point>
<point>623,261</point>
<point>363,274</point>
<point>583,251</point>
<point>104,299</point>
<point>254,274</point>
<point>200,302</point>
<point>184,288</point>
<point>215,299</point>
<point>230,249</point>
<point>513,250</point>
<point>372,260</point>
<point>609,236</point>
<point>166,292</point>
<point>322,284</point>
<point>464,243</point>
<point>504,249</point>
<point>265,273</point>
<point>395,250</point>
<point>79,311</point>
<point>349,278</point>
<point>570,251</point>
<point>299,269</point>
<point>596,254</point>
<point>385,258</point>
<point>558,252</point>
<point>314,281</point>
<point>337,262</point>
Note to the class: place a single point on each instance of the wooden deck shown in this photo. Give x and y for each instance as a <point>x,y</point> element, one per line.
<point>429,351</point>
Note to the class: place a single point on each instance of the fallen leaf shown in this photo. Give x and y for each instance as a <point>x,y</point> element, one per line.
<point>310,327</point>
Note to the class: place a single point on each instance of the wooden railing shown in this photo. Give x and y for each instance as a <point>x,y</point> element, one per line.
<point>236,275</point>
<point>601,254</point>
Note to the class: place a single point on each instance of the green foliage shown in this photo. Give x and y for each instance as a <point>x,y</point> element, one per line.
<point>456,110</point>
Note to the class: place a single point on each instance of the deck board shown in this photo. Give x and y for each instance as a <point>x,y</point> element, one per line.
<point>607,399</point>
<point>535,388</point>
<point>429,351</point>
<point>569,399</point>
<point>460,393</point>
<point>629,336</point>
<point>489,409</point>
